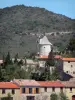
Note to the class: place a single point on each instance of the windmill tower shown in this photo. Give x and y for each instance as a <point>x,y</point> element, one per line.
<point>45,46</point>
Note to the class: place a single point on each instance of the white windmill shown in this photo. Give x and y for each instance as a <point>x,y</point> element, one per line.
<point>45,46</point>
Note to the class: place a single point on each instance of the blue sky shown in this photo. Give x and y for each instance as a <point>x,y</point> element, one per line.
<point>65,7</point>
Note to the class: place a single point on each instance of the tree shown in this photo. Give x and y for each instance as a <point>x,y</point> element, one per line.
<point>54,96</point>
<point>8,59</point>
<point>63,96</point>
<point>71,45</point>
<point>16,57</point>
<point>50,61</point>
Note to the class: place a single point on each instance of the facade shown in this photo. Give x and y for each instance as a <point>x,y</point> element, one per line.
<point>67,65</point>
<point>29,89</point>
<point>70,89</point>
<point>21,89</point>
<point>8,88</point>
<point>49,87</point>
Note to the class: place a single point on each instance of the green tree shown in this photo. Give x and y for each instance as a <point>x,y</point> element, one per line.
<point>54,96</point>
<point>8,59</point>
<point>63,96</point>
<point>16,57</point>
<point>71,45</point>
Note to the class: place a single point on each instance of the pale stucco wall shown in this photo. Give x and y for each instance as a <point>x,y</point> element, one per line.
<point>15,96</point>
<point>70,67</point>
<point>69,93</point>
<point>49,92</point>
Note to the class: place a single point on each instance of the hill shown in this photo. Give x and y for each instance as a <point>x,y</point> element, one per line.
<point>17,22</point>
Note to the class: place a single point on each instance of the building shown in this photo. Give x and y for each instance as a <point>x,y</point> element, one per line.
<point>67,65</point>
<point>21,89</point>
<point>9,88</point>
<point>44,46</point>
<point>29,89</point>
<point>70,89</point>
<point>49,87</point>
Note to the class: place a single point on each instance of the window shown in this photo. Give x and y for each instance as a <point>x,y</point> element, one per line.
<point>53,89</point>
<point>68,61</point>
<point>66,71</point>
<point>3,91</point>
<point>61,89</point>
<point>37,90</point>
<point>30,90</point>
<point>23,90</point>
<point>74,72</point>
<point>45,89</point>
<point>71,89</point>
<point>13,91</point>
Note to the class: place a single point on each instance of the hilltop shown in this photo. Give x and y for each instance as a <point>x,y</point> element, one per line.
<point>17,22</point>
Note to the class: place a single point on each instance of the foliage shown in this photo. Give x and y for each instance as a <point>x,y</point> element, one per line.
<point>18,22</point>
<point>50,61</point>
<point>71,45</point>
<point>54,96</point>
<point>63,96</point>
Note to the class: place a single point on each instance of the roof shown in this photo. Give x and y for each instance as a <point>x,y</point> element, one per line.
<point>22,82</point>
<point>45,40</point>
<point>51,84</point>
<point>8,85</point>
<point>69,84</point>
<point>68,59</point>
<point>57,57</point>
<point>45,57</point>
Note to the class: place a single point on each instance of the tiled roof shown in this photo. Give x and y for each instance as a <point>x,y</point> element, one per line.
<point>45,57</point>
<point>8,85</point>
<point>57,57</point>
<point>22,82</point>
<point>69,84</point>
<point>51,84</point>
<point>68,59</point>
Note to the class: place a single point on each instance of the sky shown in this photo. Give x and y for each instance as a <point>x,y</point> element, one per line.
<point>64,7</point>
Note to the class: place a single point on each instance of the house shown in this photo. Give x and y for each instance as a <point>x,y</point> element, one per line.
<point>9,88</point>
<point>70,89</point>
<point>29,89</point>
<point>67,65</point>
<point>49,87</point>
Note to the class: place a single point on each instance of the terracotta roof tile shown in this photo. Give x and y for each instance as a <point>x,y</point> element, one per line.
<point>22,82</point>
<point>8,85</point>
<point>68,59</point>
<point>57,57</point>
<point>45,57</point>
<point>51,84</point>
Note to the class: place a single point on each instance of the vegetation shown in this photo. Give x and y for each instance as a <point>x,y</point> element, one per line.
<point>63,96</point>
<point>18,22</point>
<point>54,97</point>
<point>10,70</point>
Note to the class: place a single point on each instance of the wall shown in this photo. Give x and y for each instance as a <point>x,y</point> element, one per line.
<point>15,96</point>
<point>45,50</point>
<point>69,93</point>
<point>70,67</point>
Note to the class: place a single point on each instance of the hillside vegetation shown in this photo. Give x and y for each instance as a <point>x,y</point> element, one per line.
<point>17,22</point>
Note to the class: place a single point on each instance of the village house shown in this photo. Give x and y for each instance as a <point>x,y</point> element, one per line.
<point>9,89</point>
<point>49,87</point>
<point>29,89</point>
<point>70,88</point>
<point>66,65</point>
